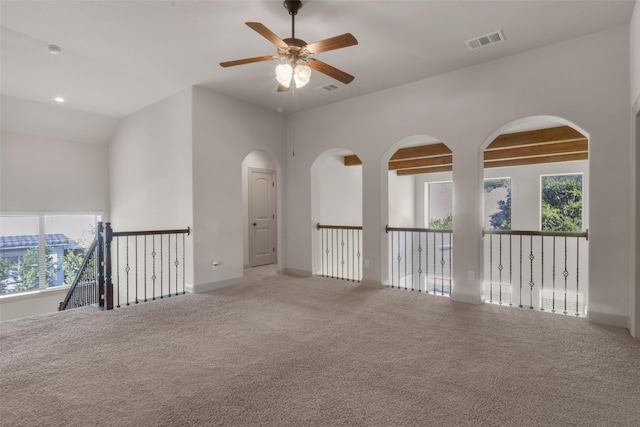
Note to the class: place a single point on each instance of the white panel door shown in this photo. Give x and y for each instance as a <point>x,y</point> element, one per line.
<point>262,216</point>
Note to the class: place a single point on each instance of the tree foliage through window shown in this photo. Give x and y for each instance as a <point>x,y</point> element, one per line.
<point>562,203</point>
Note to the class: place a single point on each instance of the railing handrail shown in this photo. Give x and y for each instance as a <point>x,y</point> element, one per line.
<point>339,227</point>
<point>539,233</point>
<point>186,231</point>
<point>427,230</point>
<point>92,247</point>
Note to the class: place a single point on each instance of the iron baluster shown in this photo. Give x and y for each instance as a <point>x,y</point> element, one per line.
<point>145,268</point>
<point>450,260</point>
<point>176,263</point>
<point>184,270</point>
<point>491,269</point>
<point>531,284</point>
<point>342,252</point>
<point>553,278</point>
<point>442,262</point>
<point>136,270</point>
<point>419,261</point>
<point>118,271</point>
<point>413,277</point>
<point>565,273</point>
<point>399,259</point>
<point>510,271</point>
<point>359,274</point>
<point>542,270</point>
<point>435,265</point>
<point>577,276</point>
<point>153,265</point>
<point>500,268</point>
<point>520,305</point>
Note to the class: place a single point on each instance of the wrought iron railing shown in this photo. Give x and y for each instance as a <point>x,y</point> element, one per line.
<point>147,265</point>
<point>341,252</point>
<point>85,289</point>
<point>128,267</point>
<point>420,259</point>
<point>534,269</point>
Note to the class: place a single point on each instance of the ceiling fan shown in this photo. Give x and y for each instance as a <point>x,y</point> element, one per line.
<point>296,54</point>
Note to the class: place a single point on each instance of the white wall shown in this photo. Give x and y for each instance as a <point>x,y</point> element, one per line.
<point>225,131</point>
<point>40,174</point>
<point>257,160</point>
<point>585,81</point>
<point>337,192</point>
<point>634,53</point>
<point>151,170</point>
<point>55,122</point>
<point>402,202</point>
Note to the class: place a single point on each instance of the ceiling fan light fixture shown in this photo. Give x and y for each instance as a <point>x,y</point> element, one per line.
<point>301,75</point>
<point>284,72</point>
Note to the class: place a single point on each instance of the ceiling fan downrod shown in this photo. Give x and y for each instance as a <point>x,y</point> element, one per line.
<point>293,6</point>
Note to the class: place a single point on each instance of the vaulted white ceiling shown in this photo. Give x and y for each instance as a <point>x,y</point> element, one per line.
<point>119,56</point>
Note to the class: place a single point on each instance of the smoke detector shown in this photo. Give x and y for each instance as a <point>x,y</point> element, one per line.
<point>486,40</point>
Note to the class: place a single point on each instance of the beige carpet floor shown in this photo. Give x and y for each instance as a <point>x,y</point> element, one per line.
<point>284,351</point>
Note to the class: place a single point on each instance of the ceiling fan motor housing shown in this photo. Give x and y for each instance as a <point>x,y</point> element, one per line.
<point>292,6</point>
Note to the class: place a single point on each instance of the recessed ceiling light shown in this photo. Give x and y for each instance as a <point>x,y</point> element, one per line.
<point>59,99</point>
<point>54,50</point>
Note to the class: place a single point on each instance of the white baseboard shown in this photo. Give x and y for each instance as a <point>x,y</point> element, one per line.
<point>295,272</point>
<point>204,287</point>
<point>374,284</point>
<point>608,319</point>
<point>466,298</point>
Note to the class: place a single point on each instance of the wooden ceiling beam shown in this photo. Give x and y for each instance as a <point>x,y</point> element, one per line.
<point>536,160</point>
<point>445,168</point>
<point>578,146</point>
<point>533,137</point>
<point>551,145</point>
<point>352,160</point>
<point>423,151</point>
<point>421,163</point>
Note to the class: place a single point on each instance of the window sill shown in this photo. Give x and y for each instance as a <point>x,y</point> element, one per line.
<point>39,293</point>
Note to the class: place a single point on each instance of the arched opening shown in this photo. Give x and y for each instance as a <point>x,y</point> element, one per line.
<point>419,214</point>
<point>536,216</point>
<point>259,210</point>
<point>336,209</point>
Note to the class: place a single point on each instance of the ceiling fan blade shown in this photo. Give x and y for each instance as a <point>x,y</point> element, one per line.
<point>267,34</point>
<point>248,60</point>
<point>332,43</point>
<point>330,71</point>
<point>282,88</point>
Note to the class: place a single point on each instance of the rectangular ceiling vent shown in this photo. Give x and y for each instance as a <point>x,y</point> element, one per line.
<point>486,40</point>
<point>328,88</point>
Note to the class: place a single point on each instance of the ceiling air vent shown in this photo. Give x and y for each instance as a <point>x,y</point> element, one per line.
<point>328,88</point>
<point>485,40</point>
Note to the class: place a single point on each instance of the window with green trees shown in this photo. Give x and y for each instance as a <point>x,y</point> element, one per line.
<point>497,203</point>
<point>41,251</point>
<point>561,202</point>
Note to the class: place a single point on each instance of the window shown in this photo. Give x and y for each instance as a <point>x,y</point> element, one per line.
<point>497,204</point>
<point>439,199</point>
<point>561,202</point>
<point>31,244</point>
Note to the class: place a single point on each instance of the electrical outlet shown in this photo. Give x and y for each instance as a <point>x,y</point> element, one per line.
<point>366,263</point>
<point>471,275</point>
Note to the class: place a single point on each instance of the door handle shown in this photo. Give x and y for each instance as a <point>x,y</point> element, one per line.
<point>254,224</point>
